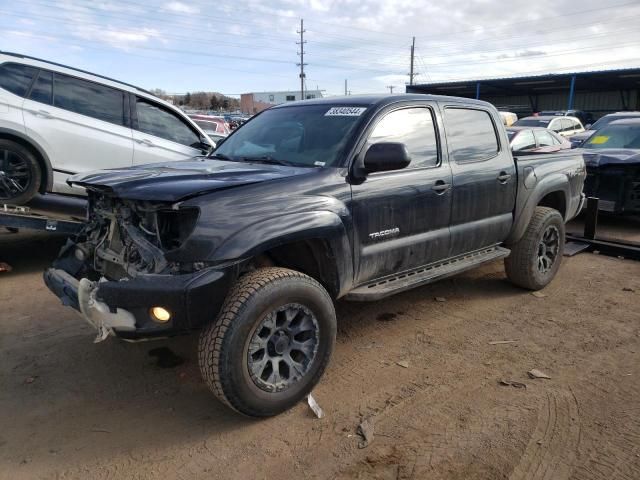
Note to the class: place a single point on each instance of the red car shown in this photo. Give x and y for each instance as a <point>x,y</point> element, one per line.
<point>210,123</point>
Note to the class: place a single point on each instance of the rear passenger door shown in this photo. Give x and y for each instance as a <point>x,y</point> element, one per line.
<point>484,179</point>
<point>82,125</point>
<point>161,135</point>
<point>402,217</point>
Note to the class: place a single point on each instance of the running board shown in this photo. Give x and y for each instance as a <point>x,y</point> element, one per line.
<point>406,280</point>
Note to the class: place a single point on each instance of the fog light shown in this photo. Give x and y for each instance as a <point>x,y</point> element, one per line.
<point>160,314</point>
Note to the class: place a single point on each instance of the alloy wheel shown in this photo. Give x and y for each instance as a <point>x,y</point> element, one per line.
<point>283,347</point>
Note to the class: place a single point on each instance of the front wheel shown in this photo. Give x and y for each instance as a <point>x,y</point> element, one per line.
<point>271,342</point>
<point>536,258</point>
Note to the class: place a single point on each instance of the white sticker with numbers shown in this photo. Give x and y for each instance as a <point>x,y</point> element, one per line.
<point>345,111</point>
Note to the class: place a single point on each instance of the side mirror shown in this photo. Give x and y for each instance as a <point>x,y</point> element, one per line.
<point>220,141</point>
<point>386,156</point>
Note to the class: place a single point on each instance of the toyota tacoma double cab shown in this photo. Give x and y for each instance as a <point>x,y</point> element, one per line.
<point>355,198</point>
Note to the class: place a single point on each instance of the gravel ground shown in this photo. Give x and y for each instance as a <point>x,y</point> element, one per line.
<point>421,370</point>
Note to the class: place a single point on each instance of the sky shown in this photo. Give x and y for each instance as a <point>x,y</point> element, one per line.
<point>250,45</point>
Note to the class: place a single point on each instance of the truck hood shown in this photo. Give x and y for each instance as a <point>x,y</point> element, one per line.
<point>611,156</point>
<point>174,181</point>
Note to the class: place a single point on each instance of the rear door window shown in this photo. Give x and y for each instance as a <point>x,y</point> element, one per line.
<point>16,78</point>
<point>415,128</point>
<point>471,134</point>
<point>88,98</point>
<point>42,90</point>
<point>155,120</point>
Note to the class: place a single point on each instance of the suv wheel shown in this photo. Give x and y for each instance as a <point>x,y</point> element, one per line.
<point>20,173</point>
<point>271,342</point>
<point>536,258</point>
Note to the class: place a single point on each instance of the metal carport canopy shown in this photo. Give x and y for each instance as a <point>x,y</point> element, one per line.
<point>593,81</point>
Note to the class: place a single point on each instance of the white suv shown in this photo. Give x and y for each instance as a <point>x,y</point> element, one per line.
<point>56,121</point>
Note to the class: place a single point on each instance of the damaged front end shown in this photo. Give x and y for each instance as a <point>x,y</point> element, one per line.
<point>116,272</point>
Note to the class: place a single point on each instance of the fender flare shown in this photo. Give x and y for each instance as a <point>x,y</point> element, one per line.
<point>551,184</point>
<point>276,231</point>
<point>47,185</point>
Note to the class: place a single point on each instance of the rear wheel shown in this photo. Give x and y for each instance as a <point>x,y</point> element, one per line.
<point>271,342</point>
<point>20,173</point>
<point>536,258</point>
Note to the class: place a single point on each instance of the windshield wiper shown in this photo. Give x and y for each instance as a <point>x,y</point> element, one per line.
<point>222,156</point>
<point>270,160</point>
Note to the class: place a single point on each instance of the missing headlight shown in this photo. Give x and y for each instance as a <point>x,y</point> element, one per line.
<point>175,226</point>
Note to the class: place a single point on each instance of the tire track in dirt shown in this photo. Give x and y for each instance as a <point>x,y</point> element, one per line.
<point>551,452</point>
<point>613,450</point>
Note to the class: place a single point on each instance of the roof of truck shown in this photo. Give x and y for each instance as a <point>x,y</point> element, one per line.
<point>380,99</point>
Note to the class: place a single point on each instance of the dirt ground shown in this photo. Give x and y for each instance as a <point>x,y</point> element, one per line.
<point>74,409</point>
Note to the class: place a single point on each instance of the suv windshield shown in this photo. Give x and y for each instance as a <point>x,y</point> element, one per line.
<point>305,136</point>
<point>607,119</point>
<point>615,136</point>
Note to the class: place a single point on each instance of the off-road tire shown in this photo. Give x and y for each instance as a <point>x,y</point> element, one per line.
<point>522,264</point>
<point>34,170</point>
<point>223,344</point>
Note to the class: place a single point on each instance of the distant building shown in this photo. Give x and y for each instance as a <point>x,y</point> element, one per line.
<point>255,102</point>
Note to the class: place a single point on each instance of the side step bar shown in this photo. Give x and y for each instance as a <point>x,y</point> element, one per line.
<point>406,280</point>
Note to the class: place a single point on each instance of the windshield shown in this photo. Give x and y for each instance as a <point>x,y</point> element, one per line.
<point>511,134</point>
<point>607,119</point>
<point>531,122</point>
<point>615,136</point>
<point>305,136</point>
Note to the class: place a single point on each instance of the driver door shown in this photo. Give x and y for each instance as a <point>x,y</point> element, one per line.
<point>402,217</point>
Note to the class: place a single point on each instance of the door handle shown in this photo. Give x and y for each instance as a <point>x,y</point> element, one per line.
<point>44,114</point>
<point>147,142</point>
<point>504,177</point>
<point>440,187</point>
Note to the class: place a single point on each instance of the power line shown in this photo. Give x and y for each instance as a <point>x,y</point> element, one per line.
<point>386,64</point>
<point>327,35</point>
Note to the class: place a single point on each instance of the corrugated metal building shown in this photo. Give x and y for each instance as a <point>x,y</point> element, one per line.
<point>598,92</point>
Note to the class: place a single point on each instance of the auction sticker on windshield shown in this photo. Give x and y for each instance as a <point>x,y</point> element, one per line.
<point>599,140</point>
<point>345,111</point>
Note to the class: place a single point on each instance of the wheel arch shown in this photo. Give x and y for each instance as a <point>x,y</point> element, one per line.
<point>46,184</point>
<point>552,191</point>
<point>314,243</point>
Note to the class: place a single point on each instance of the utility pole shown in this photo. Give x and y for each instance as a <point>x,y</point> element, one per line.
<point>301,53</point>
<point>345,88</point>
<point>411,74</point>
<point>391,87</point>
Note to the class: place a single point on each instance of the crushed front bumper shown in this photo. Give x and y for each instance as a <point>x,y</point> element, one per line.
<point>122,308</point>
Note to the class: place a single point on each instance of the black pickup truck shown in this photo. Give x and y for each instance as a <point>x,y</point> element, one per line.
<point>355,198</point>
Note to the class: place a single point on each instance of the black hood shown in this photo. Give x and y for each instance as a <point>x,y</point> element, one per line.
<point>174,181</point>
<point>611,156</point>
